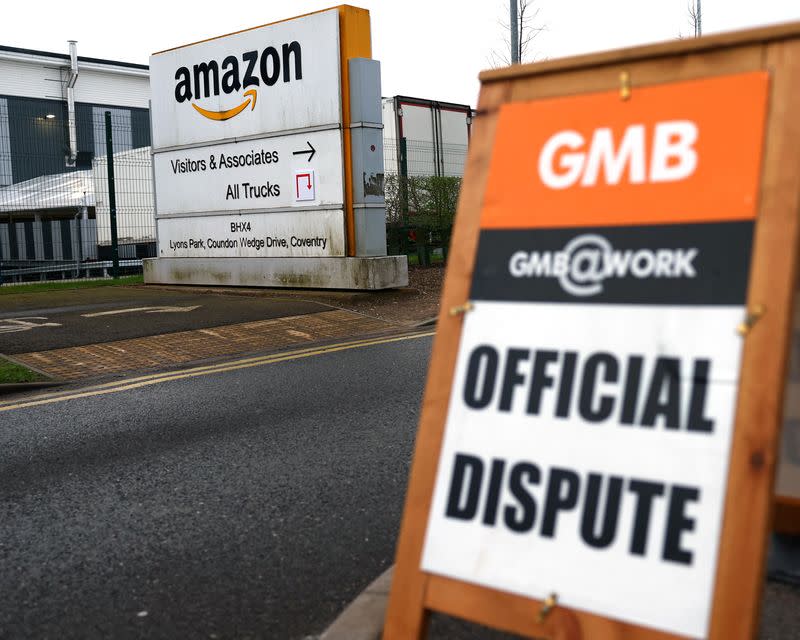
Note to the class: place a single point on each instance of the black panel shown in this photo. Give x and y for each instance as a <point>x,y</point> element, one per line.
<point>47,238</point>
<point>692,264</point>
<point>12,240</point>
<point>140,122</point>
<point>83,160</point>
<point>38,144</point>
<point>30,245</point>
<point>66,239</point>
<point>85,127</point>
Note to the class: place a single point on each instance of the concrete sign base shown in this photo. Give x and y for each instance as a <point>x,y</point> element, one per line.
<point>383,272</point>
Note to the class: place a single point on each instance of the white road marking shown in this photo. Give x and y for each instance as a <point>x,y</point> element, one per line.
<point>116,312</point>
<point>23,324</point>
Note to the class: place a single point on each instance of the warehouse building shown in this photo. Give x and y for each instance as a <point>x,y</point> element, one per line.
<point>53,203</point>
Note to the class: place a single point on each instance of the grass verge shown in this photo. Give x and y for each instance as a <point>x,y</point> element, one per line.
<point>75,284</point>
<point>11,372</point>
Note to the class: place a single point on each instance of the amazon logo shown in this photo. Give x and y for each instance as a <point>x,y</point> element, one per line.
<point>236,74</point>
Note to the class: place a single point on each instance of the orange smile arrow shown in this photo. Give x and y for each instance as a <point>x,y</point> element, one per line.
<point>230,113</point>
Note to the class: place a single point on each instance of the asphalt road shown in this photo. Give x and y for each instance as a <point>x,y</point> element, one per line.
<point>254,503</point>
<point>251,504</point>
<point>72,318</point>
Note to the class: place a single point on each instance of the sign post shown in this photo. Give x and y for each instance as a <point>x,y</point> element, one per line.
<point>254,144</point>
<point>598,439</point>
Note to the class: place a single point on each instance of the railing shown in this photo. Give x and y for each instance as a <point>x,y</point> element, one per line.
<point>55,213</point>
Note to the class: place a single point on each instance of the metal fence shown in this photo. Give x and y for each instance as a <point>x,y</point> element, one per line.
<point>423,158</point>
<point>422,182</point>
<point>55,213</point>
<point>55,204</point>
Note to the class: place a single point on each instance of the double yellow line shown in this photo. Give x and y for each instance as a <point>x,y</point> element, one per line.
<point>167,376</point>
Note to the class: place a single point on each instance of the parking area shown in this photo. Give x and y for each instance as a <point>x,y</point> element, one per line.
<point>44,321</point>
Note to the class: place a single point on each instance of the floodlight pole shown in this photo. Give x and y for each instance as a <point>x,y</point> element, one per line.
<point>699,27</point>
<point>514,26</point>
<point>112,198</point>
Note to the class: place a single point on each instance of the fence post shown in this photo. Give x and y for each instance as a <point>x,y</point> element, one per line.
<point>112,198</point>
<point>79,229</point>
<point>403,195</point>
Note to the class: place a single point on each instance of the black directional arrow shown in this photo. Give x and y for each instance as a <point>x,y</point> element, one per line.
<point>310,151</point>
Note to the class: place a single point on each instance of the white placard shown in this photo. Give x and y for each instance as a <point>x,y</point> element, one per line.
<point>305,188</point>
<point>274,78</point>
<point>538,449</point>
<point>253,174</point>
<point>256,235</point>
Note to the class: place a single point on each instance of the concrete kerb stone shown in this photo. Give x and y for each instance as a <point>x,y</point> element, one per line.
<point>18,387</point>
<point>45,376</point>
<point>430,322</point>
<point>363,618</point>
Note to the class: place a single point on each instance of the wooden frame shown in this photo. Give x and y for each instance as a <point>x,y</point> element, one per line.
<point>748,504</point>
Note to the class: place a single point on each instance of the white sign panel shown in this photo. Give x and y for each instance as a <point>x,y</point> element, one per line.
<point>577,457</point>
<point>273,78</point>
<point>256,235</point>
<point>253,174</point>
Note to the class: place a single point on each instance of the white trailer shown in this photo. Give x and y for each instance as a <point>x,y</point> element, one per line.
<point>436,136</point>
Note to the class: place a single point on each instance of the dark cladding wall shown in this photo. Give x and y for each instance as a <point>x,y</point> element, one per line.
<point>140,121</point>
<point>39,145</point>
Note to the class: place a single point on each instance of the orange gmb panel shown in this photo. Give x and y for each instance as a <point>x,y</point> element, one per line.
<point>667,154</point>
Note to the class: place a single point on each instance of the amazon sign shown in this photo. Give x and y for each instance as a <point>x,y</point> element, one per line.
<point>257,82</point>
<point>204,80</point>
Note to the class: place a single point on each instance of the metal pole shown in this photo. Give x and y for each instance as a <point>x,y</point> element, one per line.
<point>699,19</point>
<point>112,198</point>
<point>403,193</point>
<point>79,223</point>
<point>513,24</point>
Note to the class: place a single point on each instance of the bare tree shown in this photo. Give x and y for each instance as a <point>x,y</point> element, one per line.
<point>693,9</point>
<point>528,27</point>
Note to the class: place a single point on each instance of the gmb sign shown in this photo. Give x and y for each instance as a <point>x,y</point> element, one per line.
<point>274,78</point>
<point>586,444</point>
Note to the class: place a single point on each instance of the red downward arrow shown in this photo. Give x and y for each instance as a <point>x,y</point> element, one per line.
<point>307,176</point>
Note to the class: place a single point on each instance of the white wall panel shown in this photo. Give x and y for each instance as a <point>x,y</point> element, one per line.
<point>112,89</point>
<point>33,80</point>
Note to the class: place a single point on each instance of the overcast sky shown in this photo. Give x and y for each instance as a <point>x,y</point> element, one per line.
<point>428,48</point>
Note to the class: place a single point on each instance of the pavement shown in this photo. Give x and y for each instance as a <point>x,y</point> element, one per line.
<point>77,317</point>
<point>84,334</point>
<point>169,350</point>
